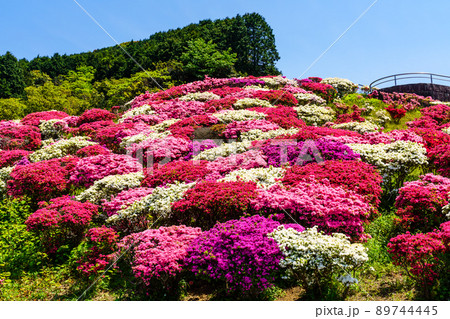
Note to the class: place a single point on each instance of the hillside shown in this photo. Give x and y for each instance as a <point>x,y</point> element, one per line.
<point>241,188</point>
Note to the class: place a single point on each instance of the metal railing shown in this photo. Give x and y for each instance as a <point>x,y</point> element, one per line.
<point>432,77</point>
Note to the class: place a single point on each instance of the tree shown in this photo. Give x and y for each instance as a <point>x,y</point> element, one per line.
<point>256,49</point>
<point>12,80</point>
<point>202,58</point>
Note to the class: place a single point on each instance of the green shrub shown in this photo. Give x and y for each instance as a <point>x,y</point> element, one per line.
<point>12,109</point>
<point>19,249</point>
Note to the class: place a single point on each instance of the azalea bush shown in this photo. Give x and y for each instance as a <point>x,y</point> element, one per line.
<point>157,257</point>
<point>210,202</point>
<point>61,221</point>
<point>238,254</point>
<point>315,259</point>
<point>36,118</point>
<point>14,136</point>
<point>42,180</point>
<point>9,158</point>
<point>423,256</point>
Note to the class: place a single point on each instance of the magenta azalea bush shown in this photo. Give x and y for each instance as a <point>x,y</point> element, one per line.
<point>238,254</point>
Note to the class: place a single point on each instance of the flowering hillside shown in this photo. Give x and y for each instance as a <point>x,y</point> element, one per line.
<point>257,186</point>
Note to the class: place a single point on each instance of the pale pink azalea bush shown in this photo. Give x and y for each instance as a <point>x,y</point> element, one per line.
<point>124,199</point>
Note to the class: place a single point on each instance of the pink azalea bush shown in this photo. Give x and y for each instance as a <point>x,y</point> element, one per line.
<point>157,256</point>
<point>92,150</point>
<point>61,221</point>
<point>312,203</point>
<point>35,119</point>
<point>169,148</point>
<point>9,158</point>
<point>90,169</point>
<point>124,199</point>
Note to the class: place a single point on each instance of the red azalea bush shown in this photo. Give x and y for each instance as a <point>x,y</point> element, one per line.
<point>24,137</point>
<point>285,117</point>
<point>210,202</point>
<point>238,254</point>
<point>42,180</point>
<point>90,169</point>
<point>355,116</point>
<point>9,158</point>
<point>156,256</point>
<point>61,221</point>
<point>420,203</point>
<point>440,159</point>
<point>92,150</point>
<point>96,115</point>
<point>225,103</point>
<point>112,135</point>
<point>396,112</point>
<point>91,128</point>
<point>181,171</point>
<point>325,91</point>
<point>423,256</point>
<point>439,113</point>
<point>276,97</point>
<point>432,137</point>
<point>192,123</point>
<point>95,252</point>
<point>356,176</point>
<point>35,119</point>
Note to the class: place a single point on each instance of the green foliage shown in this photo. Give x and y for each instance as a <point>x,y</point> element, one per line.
<point>382,230</point>
<point>19,249</point>
<point>12,109</point>
<point>203,58</point>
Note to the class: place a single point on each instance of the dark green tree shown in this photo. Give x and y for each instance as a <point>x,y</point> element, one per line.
<point>257,51</point>
<point>12,80</point>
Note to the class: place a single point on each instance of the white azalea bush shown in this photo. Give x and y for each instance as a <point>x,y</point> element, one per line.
<point>157,204</point>
<point>141,110</point>
<point>199,96</point>
<point>313,258</point>
<point>61,148</point>
<point>259,135</point>
<point>262,176</point>
<point>5,173</point>
<point>394,161</point>
<point>136,139</point>
<point>342,86</point>
<point>360,127</point>
<point>446,130</point>
<point>53,128</point>
<point>238,115</point>
<point>315,114</point>
<point>277,82</point>
<point>247,103</point>
<point>309,98</point>
<point>224,150</point>
<point>162,127</point>
<point>109,186</point>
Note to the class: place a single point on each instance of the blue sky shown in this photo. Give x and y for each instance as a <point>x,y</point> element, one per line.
<point>395,36</point>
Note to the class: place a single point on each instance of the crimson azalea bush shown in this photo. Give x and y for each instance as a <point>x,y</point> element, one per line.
<point>42,180</point>
<point>36,118</point>
<point>181,171</point>
<point>420,202</point>
<point>9,158</point>
<point>238,254</point>
<point>92,150</point>
<point>61,221</point>
<point>95,252</point>
<point>19,137</point>
<point>440,159</point>
<point>312,203</point>
<point>423,256</point>
<point>95,115</point>
<point>283,116</point>
<point>90,169</point>
<point>91,128</point>
<point>325,91</point>
<point>157,256</point>
<point>210,202</point>
<point>356,176</point>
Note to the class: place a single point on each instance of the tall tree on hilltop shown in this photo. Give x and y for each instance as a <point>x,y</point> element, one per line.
<point>258,51</point>
<point>12,80</point>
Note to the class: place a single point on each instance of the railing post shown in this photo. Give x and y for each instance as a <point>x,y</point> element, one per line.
<point>431,78</point>
<point>395,80</point>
